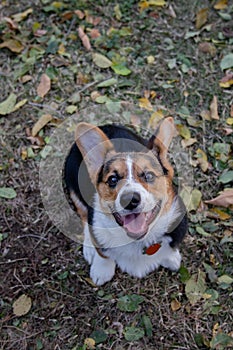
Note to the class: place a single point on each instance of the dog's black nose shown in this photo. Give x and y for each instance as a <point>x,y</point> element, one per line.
<point>130,200</point>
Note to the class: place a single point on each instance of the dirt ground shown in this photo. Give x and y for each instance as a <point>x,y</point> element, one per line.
<point>165,62</point>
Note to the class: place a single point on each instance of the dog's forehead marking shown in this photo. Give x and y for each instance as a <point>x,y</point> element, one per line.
<point>129,165</point>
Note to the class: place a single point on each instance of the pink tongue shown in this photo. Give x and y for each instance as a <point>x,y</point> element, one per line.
<point>135,223</point>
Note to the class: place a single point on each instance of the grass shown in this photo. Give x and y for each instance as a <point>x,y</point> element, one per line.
<point>40,261</point>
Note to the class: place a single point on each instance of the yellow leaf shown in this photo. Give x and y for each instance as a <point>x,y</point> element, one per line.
<point>18,17</point>
<point>214,109</point>
<point>20,104</point>
<point>220,213</point>
<point>145,103</point>
<point>44,120</point>
<point>150,59</point>
<point>44,86</point>
<point>89,343</point>
<point>226,84</point>
<point>61,49</point>
<point>175,305</point>
<point>22,305</point>
<point>13,45</point>
<point>155,118</point>
<point>229,121</point>
<point>201,17</point>
<point>221,4</point>
<point>183,131</point>
<point>145,4</point>
<point>202,160</point>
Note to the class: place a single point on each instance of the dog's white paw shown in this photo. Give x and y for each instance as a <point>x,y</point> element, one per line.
<point>102,270</point>
<point>172,261</point>
<point>89,253</point>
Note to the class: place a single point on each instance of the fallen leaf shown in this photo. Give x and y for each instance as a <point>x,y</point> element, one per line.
<point>8,105</point>
<point>80,14</point>
<point>71,109</point>
<point>18,17</point>
<point>11,23</point>
<point>189,142</point>
<point>221,4</point>
<point>22,305</point>
<point>13,45</point>
<point>206,47</point>
<point>229,121</point>
<point>220,214</point>
<point>94,33</point>
<point>191,198</point>
<point>101,61</point>
<point>117,12</point>
<point>227,62</point>
<point>7,192</point>
<point>44,85</point>
<point>89,343</point>
<point>225,199</point>
<point>225,279</point>
<point>202,160</point>
<point>175,305</point>
<point>19,104</point>
<point>226,177</point>
<point>44,120</point>
<point>84,38</point>
<point>145,4</point>
<point>227,80</point>
<point>120,68</point>
<point>201,17</point>
<point>214,109</point>
<point>145,103</point>
<point>183,131</point>
<point>205,114</point>
<point>195,287</point>
<point>231,112</point>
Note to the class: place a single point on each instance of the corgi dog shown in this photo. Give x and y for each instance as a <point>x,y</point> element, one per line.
<point>121,185</point>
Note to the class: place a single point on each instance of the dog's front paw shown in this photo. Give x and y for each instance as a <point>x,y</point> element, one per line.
<point>102,270</point>
<point>172,262</point>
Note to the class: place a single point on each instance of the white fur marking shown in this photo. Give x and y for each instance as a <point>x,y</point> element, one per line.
<point>129,164</point>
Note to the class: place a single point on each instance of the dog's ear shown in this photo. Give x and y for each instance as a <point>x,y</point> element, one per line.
<point>160,142</point>
<point>94,145</point>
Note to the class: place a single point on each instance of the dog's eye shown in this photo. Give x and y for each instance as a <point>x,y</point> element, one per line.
<point>149,176</point>
<point>113,180</point>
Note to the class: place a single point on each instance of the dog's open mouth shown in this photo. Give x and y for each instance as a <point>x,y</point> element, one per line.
<point>137,224</point>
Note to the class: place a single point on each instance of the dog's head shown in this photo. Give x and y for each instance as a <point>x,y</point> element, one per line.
<point>133,187</point>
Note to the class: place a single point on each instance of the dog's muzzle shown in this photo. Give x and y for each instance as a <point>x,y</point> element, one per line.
<point>135,222</point>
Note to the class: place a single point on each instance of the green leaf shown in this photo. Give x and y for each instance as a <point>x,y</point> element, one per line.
<point>221,341</point>
<point>226,177</point>
<point>148,325</point>
<point>107,83</point>
<point>184,274</point>
<point>195,287</point>
<point>227,62</point>
<point>8,105</point>
<point>120,68</point>
<point>202,232</point>
<point>45,151</point>
<point>7,192</point>
<point>99,336</point>
<point>133,333</point>
<point>101,61</point>
<point>129,303</point>
<point>210,272</point>
<point>225,279</point>
<point>113,107</point>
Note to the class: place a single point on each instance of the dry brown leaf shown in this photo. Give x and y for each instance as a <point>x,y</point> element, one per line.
<point>22,305</point>
<point>201,17</point>
<point>44,86</point>
<point>225,199</point>
<point>175,305</point>
<point>214,109</point>
<point>94,33</point>
<point>207,48</point>
<point>44,120</point>
<point>84,38</point>
<point>18,17</point>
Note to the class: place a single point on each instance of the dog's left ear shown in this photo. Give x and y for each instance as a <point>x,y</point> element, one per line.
<point>160,142</point>
<point>94,145</point>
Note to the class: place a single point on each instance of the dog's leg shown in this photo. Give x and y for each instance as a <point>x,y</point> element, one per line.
<point>172,258</point>
<point>102,269</point>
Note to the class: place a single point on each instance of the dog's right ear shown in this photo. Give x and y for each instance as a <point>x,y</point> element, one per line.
<point>94,145</point>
